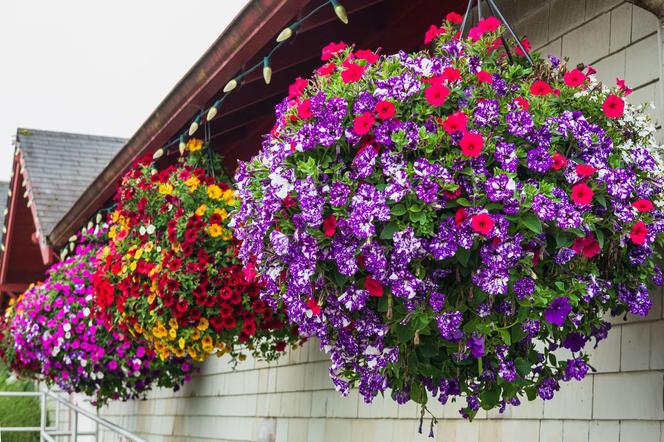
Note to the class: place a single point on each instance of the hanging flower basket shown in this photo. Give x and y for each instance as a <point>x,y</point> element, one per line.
<point>55,330</point>
<point>444,221</point>
<point>170,272</point>
<point>7,350</point>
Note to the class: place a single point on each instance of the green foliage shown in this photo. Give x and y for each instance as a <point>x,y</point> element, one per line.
<point>17,411</point>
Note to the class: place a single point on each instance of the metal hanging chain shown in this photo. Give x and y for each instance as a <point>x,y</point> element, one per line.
<point>493,9</point>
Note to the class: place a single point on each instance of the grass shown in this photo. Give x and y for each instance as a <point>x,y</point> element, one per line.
<point>17,411</point>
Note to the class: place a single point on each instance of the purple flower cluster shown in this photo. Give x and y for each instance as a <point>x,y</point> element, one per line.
<point>464,220</point>
<point>56,330</point>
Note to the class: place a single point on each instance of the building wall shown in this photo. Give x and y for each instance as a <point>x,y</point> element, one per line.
<point>293,400</point>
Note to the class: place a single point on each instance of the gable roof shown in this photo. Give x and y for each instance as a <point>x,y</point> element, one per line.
<point>59,166</point>
<point>4,187</point>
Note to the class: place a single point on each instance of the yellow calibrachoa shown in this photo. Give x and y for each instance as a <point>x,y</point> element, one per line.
<point>200,211</point>
<point>215,192</point>
<point>194,144</point>
<point>192,183</point>
<point>166,188</point>
<point>215,230</point>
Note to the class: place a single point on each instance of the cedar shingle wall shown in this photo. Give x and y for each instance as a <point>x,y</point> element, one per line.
<point>294,400</point>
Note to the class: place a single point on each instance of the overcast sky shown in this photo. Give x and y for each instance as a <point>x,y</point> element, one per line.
<point>97,67</point>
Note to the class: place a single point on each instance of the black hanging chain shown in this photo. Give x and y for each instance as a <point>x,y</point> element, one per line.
<point>493,9</point>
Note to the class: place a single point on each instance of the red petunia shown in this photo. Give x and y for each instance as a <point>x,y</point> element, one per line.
<point>451,74</point>
<point>460,216</point>
<point>330,225</point>
<point>639,233</point>
<point>362,124</point>
<point>304,109</point>
<point>471,144</point>
<point>296,89</point>
<point>526,45</point>
<point>587,246</point>
<point>365,54</point>
<point>374,287</point>
<point>585,170</point>
<point>482,223</point>
<point>433,32</point>
<point>574,78</point>
<point>484,77</point>
<point>559,161</point>
<point>332,49</point>
<point>454,17</point>
<point>522,103</point>
<point>326,69</point>
<point>313,306</point>
<point>352,72</point>
<point>582,194</point>
<point>384,109</point>
<point>456,122</point>
<point>643,205</point>
<point>613,106</point>
<point>436,94</point>
<point>623,87</point>
<point>540,88</point>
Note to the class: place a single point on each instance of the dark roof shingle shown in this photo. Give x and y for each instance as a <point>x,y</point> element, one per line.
<point>60,166</point>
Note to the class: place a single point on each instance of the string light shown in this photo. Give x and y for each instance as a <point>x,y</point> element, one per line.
<point>267,70</point>
<point>158,154</point>
<point>288,32</point>
<point>340,11</point>
<point>182,145</point>
<point>194,125</point>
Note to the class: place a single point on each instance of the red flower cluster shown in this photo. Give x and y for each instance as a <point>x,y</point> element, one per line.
<point>170,271</point>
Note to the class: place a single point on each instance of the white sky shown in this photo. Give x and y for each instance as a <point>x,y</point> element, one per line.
<point>97,67</point>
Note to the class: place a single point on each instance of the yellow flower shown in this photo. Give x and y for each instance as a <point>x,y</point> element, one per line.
<point>172,334</point>
<point>179,353</point>
<point>181,343</point>
<point>173,323</point>
<point>151,297</point>
<point>139,253</point>
<point>112,232</point>
<point>192,352</point>
<point>133,266</point>
<point>227,235</point>
<point>202,324</point>
<point>195,144</point>
<point>215,230</point>
<point>222,213</point>
<point>214,191</point>
<point>165,188</point>
<point>115,216</point>
<point>229,196</point>
<point>148,246</point>
<point>200,211</point>
<point>242,357</point>
<point>192,183</point>
<point>138,328</point>
<point>195,336</point>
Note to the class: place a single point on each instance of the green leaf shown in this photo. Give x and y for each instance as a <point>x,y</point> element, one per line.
<point>490,398</point>
<point>531,221</point>
<point>531,393</point>
<point>388,231</point>
<point>463,202</point>
<point>600,237</point>
<point>398,210</point>
<point>404,333</point>
<point>505,335</point>
<point>463,255</point>
<point>417,392</point>
<point>522,366</point>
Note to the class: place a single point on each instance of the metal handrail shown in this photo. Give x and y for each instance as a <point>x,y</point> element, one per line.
<point>47,433</point>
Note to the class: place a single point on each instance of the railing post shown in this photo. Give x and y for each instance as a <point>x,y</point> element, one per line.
<point>42,416</point>
<point>75,429</point>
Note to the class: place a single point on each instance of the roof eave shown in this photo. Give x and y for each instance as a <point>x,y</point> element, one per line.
<point>251,29</point>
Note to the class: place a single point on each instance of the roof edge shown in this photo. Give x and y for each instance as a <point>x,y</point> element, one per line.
<point>250,30</point>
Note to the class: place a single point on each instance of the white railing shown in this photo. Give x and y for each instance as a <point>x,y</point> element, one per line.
<point>49,433</point>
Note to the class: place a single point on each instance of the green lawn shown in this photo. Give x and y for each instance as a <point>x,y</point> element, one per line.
<point>17,411</point>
